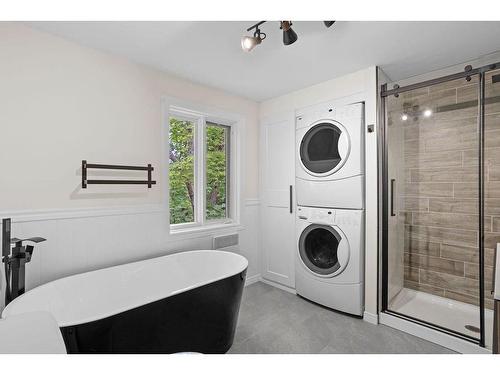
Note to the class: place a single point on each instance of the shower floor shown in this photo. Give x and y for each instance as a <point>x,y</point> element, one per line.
<point>444,312</point>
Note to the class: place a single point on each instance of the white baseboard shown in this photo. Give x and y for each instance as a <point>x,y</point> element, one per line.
<point>279,286</point>
<point>252,279</point>
<point>440,338</point>
<point>370,318</point>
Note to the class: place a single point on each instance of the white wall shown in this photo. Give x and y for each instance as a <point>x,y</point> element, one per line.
<point>61,102</point>
<point>362,84</point>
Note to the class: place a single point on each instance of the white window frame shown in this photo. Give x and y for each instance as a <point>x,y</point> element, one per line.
<point>199,116</point>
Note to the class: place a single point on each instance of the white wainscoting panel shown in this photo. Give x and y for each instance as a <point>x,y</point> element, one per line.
<point>78,242</point>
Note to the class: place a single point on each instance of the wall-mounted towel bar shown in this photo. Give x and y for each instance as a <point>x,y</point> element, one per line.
<point>86,182</point>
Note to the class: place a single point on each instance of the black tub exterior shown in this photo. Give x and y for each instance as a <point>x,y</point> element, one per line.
<point>200,320</point>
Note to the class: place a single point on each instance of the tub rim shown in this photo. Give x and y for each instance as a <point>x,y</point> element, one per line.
<point>147,300</point>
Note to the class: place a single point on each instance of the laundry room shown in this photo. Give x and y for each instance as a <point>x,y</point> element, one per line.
<point>208,186</point>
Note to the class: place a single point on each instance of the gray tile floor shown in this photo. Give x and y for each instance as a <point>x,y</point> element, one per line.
<point>275,321</point>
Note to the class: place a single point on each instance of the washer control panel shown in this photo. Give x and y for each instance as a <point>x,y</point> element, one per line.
<point>316,215</point>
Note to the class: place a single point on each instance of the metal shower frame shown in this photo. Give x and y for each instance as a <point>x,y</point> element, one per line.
<point>396,90</point>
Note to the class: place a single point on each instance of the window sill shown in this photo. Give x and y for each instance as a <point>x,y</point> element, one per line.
<point>205,230</point>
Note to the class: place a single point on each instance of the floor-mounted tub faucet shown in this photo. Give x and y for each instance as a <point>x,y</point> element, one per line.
<point>15,259</point>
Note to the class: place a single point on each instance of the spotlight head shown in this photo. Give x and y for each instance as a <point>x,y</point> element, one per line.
<point>404,117</point>
<point>428,113</point>
<point>328,23</point>
<point>248,43</point>
<point>289,36</point>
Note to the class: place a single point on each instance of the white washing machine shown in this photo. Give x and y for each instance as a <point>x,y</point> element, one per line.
<point>330,157</point>
<point>329,262</point>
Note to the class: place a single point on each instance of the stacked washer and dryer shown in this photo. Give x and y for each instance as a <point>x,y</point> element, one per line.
<point>329,178</point>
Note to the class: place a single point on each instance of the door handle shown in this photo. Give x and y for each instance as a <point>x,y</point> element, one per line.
<point>291,199</point>
<point>392,197</point>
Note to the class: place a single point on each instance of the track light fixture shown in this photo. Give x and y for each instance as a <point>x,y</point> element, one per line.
<point>248,43</point>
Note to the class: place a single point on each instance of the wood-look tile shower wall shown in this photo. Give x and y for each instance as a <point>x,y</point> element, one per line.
<point>439,197</point>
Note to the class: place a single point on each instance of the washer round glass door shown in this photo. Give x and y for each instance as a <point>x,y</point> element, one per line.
<point>323,250</point>
<point>324,148</point>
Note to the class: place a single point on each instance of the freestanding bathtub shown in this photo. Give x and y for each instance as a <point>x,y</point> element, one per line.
<point>183,302</point>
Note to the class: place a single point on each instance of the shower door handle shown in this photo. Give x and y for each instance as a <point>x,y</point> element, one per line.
<point>392,196</point>
<point>291,199</point>
<point>496,302</point>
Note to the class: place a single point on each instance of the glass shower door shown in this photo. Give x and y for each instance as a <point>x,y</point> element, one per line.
<point>431,201</point>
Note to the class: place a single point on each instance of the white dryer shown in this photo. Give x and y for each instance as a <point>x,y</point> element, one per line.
<point>329,262</point>
<point>330,157</point>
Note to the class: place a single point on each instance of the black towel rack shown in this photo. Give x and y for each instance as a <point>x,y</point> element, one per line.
<point>86,182</point>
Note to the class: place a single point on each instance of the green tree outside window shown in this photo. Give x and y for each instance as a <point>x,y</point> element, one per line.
<point>181,171</point>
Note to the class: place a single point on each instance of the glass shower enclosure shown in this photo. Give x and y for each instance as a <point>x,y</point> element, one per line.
<point>441,201</point>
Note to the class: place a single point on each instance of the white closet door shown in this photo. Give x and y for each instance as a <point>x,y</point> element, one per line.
<point>278,200</point>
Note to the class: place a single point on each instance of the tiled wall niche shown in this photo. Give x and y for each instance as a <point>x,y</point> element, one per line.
<point>438,198</point>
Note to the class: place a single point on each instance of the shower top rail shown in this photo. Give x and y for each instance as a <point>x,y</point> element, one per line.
<point>85,181</point>
<point>468,71</point>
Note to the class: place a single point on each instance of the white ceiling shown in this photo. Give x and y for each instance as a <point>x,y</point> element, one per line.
<point>209,52</point>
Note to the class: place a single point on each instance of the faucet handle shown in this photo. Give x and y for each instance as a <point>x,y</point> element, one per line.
<point>31,239</point>
<point>35,239</point>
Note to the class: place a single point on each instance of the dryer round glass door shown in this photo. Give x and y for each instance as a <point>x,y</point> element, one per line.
<point>324,148</point>
<point>323,250</point>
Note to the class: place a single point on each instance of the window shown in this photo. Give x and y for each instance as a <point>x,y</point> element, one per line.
<point>181,171</point>
<point>217,171</point>
<point>199,170</point>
